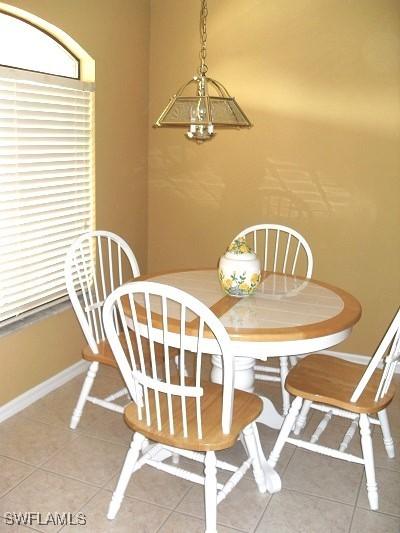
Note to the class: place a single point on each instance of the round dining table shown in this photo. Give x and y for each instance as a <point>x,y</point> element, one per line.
<point>287,315</point>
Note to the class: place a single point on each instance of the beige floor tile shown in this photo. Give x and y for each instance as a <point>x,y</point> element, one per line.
<point>75,464</point>
<point>57,407</point>
<point>44,492</point>
<point>242,508</point>
<point>108,380</point>
<point>134,516</point>
<point>270,390</point>
<point>372,522</point>
<point>188,464</point>
<point>222,475</point>
<point>180,523</point>
<point>149,484</point>
<point>292,512</point>
<point>235,459</point>
<point>388,490</point>
<point>31,442</point>
<point>333,434</point>
<point>236,455</point>
<point>394,419</point>
<point>324,476</point>
<point>109,372</point>
<point>90,460</point>
<point>11,473</point>
<point>107,425</point>
<point>380,455</point>
<point>268,438</point>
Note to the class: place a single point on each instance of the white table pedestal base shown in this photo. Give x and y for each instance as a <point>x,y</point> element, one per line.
<point>244,380</point>
<point>244,372</point>
<point>269,415</point>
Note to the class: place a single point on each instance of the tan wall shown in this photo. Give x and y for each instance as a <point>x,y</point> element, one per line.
<point>320,80</point>
<point>116,35</point>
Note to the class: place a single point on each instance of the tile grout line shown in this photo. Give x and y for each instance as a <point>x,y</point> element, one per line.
<point>183,513</point>
<point>136,498</point>
<point>272,495</point>
<point>355,504</point>
<point>164,522</point>
<point>319,497</point>
<point>264,512</point>
<point>18,484</point>
<point>72,478</point>
<point>82,507</point>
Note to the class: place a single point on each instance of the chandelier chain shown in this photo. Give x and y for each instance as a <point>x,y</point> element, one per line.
<point>203,38</point>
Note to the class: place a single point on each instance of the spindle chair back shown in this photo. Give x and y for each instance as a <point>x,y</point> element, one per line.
<point>284,250</point>
<point>280,249</point>
<point>388,355</point>
<point>348,390</point>
<point>96,263</point>
<point>182,415</point>
<point>148,307</point>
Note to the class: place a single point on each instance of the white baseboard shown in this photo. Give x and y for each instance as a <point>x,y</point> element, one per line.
<point>32,395</point>
<point>354,358</point>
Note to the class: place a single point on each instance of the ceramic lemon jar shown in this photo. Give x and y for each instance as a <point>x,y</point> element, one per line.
<point>239,269</point>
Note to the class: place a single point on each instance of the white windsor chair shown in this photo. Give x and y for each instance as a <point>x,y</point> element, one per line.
<point>280,249</point>
<point>96,263</point>
<point>349,390</point>
<point>186,416</point>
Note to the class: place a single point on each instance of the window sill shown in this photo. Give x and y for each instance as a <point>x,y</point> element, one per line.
<point>35,316</point>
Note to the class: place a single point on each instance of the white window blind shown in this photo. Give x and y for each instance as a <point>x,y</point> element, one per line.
<point>46,167</point>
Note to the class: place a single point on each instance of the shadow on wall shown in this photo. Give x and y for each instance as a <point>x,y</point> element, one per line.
<point>202,187</point>
<point>291,192</point>
<point>286,190</point>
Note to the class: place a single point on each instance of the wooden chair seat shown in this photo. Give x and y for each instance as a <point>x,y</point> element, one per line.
<point>329,380</point>
<point>353,392</point>
<point>246,408</point>
<point>106,357</point>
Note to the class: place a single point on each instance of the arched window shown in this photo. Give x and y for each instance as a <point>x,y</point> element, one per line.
<point>46,165</point>
<point>24,46</point>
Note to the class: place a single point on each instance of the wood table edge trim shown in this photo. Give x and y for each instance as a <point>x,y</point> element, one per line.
<point>348,316</point>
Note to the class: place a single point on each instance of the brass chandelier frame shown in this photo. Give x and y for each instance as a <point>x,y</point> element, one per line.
<point>211,105</point>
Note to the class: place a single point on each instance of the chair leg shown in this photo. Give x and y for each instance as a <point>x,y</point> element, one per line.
<point>302,418</point>
<point>386,433</point>
<point>86,387</point>
<point>293,360</point>
<point>125,476</point>
<point>285,395</point>
<point>252,451</point>
<point>177,363</point>
<point>368,454</point>
<point>210,492</point>
<point>284,432</point>
<point>175,458</point>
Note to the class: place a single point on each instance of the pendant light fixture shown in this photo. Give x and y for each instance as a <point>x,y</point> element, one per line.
<point>202,104</point>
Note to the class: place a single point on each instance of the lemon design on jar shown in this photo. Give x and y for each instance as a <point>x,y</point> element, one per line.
<point>239,269</point>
